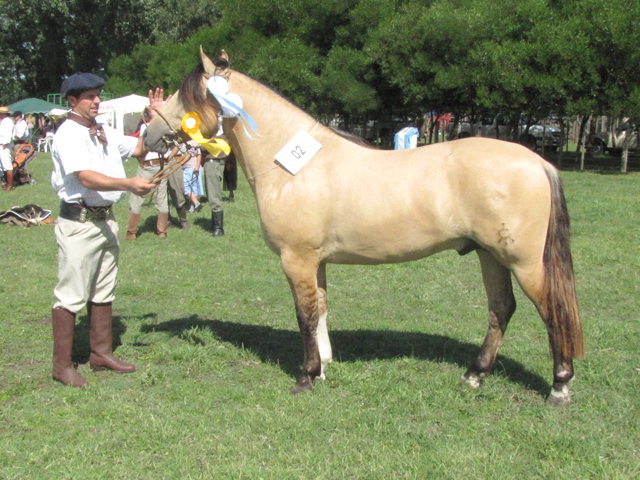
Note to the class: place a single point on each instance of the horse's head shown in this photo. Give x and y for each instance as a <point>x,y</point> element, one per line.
<point>192,96</point>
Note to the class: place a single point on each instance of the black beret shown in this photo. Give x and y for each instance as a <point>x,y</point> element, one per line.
<point>79,82</point>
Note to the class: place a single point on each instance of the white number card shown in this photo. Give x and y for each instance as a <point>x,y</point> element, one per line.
<point>300,149</point>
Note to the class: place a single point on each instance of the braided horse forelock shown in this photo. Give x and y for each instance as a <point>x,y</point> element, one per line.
<point>194,97</point>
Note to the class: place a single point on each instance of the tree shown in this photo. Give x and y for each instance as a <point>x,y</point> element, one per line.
<point>175,21</point>
<point>42,42</point>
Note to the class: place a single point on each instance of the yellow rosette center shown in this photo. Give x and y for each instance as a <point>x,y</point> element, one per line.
<point>191,123</point>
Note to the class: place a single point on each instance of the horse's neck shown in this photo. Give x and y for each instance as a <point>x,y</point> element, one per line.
<point>278,121</point>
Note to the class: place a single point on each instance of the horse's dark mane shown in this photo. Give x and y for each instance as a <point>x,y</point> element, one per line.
<point>195,98</point>
<point>346,135</point>
<point>352,137</point>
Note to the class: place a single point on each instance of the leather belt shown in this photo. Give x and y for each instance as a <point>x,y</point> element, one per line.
<point>152,163</point>
<point>80,213</point>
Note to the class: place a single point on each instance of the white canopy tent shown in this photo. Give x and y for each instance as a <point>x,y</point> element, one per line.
<point>122,113</point>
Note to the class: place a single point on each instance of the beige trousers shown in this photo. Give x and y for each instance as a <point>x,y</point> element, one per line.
<point>88,255</point>
<point>162,202</point>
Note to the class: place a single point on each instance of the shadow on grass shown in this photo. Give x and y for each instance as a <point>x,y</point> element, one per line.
<point>149,225</point>
<point>284,347</point>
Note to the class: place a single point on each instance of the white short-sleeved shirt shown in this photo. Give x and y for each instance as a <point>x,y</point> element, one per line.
<point>74,150</point>
<point>20,130</point>
<point>6,131</point>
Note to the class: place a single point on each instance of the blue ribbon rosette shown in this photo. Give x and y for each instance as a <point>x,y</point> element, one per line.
<point>231,104</point>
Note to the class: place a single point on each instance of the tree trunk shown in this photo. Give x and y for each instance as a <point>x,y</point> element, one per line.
<point>562,137</point>
<point>582,139</point>
<point>625,157</point>
<point>453,130</point>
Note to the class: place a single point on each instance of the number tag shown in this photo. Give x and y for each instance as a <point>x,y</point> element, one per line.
<point>300,149</point>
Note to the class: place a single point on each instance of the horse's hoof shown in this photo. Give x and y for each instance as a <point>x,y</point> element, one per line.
<point>301,389</point>
<point>558,401</point>
<point>559,398</point>
<point>303,384</point>
<point>471,381</point>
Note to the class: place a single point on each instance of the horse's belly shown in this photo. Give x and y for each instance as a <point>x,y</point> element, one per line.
<point>392,251</point>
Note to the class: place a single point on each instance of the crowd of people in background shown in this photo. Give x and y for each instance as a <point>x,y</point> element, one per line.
<point>203,176</point>
<point>14,132</point>
<point>17,130</point>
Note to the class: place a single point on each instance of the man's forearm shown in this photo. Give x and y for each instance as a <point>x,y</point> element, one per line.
<point>103,183</point>
<point>140,150</point>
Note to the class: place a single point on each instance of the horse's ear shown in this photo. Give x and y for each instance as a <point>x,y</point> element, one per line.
<point>224,56</point>
<point>208,65</point>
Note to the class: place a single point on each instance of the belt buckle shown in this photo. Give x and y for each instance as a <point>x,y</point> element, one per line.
<point>99,215</point>
<point>83,215</point>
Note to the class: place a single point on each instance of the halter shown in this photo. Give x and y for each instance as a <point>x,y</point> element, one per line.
<point>170,168</point>
<point>172,132</point>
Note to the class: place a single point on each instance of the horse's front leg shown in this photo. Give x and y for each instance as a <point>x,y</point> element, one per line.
<point>324,344</point>
<point>303,280</point>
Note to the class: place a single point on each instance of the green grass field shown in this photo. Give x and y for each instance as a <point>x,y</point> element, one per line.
<point>211,327</point>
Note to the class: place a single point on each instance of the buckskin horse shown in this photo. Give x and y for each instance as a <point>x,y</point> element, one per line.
<point>350,204</point>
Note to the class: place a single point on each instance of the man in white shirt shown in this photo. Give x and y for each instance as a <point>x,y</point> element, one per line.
<point>20,128</point>
<point>6,142</point>
<point>89,178</point>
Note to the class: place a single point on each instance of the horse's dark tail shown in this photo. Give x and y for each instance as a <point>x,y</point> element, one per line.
<point>559,303</point>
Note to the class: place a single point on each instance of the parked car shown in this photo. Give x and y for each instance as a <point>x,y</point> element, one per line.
<point>536,137</point>
<point>613,142</point>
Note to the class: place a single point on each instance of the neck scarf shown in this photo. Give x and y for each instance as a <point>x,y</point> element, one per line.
<point>95,130</point>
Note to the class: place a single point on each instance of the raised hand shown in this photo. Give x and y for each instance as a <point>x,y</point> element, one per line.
<point>156,101</point>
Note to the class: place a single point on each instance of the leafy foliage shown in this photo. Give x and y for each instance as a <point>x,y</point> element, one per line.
<point>355,59</point>
<point>50,40</point>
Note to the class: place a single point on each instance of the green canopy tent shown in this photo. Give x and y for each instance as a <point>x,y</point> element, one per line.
<point>35,105</point>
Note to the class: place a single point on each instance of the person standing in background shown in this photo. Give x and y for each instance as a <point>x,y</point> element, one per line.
<point>20,129</point>
<point>147,168</point>
<point>6,142</point>
<point>214,166</point>
<point>175,188</point>
<point>193,188</point>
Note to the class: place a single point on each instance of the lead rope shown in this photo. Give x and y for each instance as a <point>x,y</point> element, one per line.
<point>268,170</point>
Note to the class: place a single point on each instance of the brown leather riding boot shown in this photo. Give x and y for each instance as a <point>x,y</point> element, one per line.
<point>101,340</point>
<point>8,184</point>
<point>161,226</point>
<point>132,228</point>
<point>64,324</point>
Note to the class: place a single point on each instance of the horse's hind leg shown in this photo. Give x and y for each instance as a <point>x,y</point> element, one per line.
<point>563,372</point>
<point>303,280</point>
<point>502,304</point>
